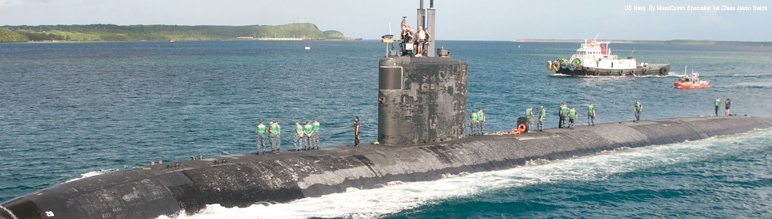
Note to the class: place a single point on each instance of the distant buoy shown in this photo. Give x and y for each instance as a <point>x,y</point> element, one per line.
<point>518,46</point>
<point>308,48</point>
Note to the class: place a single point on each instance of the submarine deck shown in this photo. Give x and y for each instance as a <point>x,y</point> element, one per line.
<point>246,179</point>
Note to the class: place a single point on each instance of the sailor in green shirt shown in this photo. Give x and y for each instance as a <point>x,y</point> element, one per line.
<point>473,123</point>
<point>274,131</point>
<point>542,113</point>
<point>481,120</point>
<point>571,117</point>
<point>529,114</point>
<point>637,109</point>
<point>316,134</point>
<point>298,136</point>
<point>563,114</point>
<point>271,139</point>
<point>309,130</point>
<point>718,104</point>
<point>277,136</point>
<point>261,129</point>
<point>591,115</point>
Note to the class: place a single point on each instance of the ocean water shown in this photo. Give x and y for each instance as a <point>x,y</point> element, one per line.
<point>73,110</point>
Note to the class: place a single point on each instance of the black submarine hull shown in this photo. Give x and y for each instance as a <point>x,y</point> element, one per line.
<point>246,179</point>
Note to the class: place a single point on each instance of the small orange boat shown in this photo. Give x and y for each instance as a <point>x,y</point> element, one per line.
<point>691,84</point>
<point>692,81</point>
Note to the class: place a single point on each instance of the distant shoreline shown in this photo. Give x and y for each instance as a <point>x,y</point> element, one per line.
<point>111,32</point>
<point>686,42</point>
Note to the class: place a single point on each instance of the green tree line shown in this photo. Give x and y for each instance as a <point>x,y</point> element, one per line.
<point>111,32</point>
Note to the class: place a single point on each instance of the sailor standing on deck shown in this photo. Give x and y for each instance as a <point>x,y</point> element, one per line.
<point>481,119</point>
<point>542,113</point>
<point>298,136</point>
<point>278,136</point>
<point>271,134</point>
<point>421,37</point>
<point>261,130</point>
<point>591,115</point>
<point>637,109</point>
<point>308,132</point>
<point>560,116</point>
<point>563,114</point>
<point>529,114</point>
<point>316,133</point>
<point>356,131</point>
<point>571,117</point>
<point>473,123</point>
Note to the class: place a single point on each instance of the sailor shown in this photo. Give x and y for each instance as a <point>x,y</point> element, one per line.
<point>407,40</point>
<point>477,123</point>
<point>481,120</point>
<point>421,37</point>
<point>529,114</point>
<point>271,139</point>
<point>261,129</point>
<point>277,136</point>
<point>571,117</point>
<point>298,136</point>
<point>563,115</point>
<point>316,134</point>
<point>591,115</point>
<point>560,116</point>
<point>473,123</point>
<point>718,104</point>
<point>356,131</point>
<point>637,109</point>
<point>308,132</point>
<point>542,113</point>
<point>403,34</point>
<point>727,104</point>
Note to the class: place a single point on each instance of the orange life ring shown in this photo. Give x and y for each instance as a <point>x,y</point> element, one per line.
<point>521,128</point>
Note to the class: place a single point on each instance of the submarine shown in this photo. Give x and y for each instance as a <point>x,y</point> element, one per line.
<point>422,136</point>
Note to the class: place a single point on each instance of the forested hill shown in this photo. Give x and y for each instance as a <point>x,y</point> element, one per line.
<point>110,32</point>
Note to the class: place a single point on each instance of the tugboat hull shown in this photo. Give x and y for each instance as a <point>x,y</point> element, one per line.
<point>651,70</point>
<point>594,58</point>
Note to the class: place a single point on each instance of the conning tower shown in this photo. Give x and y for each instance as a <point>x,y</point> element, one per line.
<point>421,99</point>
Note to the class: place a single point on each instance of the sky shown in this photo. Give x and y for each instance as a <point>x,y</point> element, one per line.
<point>456,19</point>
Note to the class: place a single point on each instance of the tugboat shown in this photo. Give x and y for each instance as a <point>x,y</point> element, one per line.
<point>692,81</point>
<point>594,58</point>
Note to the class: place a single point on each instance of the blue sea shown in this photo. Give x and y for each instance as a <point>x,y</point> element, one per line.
<point>75,110</point>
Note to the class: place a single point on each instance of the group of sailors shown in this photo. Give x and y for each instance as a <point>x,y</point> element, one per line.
<point>413,39</point>
<point>306,136</point>
<point>529,114</point>
<point>727,104</point>
<point>567,116</point>
<point>477,122</point>
<point>566,113</point>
